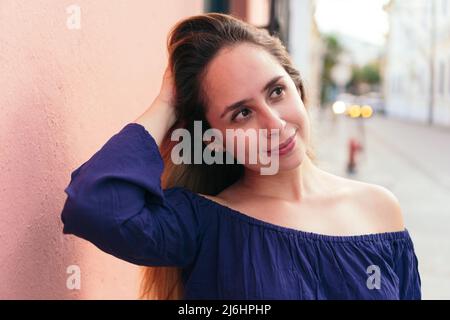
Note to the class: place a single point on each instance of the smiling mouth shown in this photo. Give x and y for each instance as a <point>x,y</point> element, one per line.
<point>284,144</point>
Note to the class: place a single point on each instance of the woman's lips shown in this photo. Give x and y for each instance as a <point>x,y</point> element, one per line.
<point>286,146</point>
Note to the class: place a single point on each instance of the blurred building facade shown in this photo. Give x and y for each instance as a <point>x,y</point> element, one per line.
<point>293,22</point>
<point>417,65</point>
<point>306,47</point>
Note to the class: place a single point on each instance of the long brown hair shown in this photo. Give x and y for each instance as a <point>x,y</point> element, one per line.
<point>192,43</point>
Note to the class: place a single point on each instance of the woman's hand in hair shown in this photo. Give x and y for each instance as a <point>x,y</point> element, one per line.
<point>160,116</point>
<point>167,90</point>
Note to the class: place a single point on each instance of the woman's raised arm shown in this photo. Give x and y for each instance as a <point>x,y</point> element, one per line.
<point>160,116</point>
<point>115,199</point>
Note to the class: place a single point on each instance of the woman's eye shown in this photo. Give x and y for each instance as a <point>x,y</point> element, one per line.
<point>279,90</point>
<point>244,112</point>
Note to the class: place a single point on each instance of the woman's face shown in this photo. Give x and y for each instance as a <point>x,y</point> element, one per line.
<point>246,88</point>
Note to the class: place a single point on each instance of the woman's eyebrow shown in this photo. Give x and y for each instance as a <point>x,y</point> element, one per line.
<point>236,105</point>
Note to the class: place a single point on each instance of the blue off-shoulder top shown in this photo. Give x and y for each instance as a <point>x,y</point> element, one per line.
<point>115,201</point>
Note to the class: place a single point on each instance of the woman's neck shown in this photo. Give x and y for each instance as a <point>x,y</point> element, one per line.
<point>291,185</point>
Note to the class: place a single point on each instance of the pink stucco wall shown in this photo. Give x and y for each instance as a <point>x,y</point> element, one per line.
<point>63,93</point>
<point>256,12</point>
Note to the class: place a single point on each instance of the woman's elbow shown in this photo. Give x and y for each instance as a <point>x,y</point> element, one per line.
<point>82,216</point>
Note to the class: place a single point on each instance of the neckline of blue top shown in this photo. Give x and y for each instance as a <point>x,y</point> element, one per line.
<point>389,235</point>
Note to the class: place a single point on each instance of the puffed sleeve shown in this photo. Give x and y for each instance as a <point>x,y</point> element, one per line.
<point>115,201</point>
<point>407,270</point>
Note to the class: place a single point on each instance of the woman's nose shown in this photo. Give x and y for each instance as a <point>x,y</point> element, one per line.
<point>272,121</point>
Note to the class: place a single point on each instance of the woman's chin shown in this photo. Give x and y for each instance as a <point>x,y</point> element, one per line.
<point>276,163</point>
<point>291,161</point>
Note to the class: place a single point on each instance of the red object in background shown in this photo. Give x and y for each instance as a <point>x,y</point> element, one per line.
<point>353,148</point>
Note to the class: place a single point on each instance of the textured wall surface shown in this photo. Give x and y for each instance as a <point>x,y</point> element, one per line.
<point>63,93</point>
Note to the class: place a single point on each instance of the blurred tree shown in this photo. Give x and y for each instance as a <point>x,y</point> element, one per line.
<point>367,76</point>
<point>331,54</point>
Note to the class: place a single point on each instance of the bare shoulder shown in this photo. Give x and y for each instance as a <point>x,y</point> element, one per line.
<point>217,199</point>
<point>226,197</point>
<point>379,205</point>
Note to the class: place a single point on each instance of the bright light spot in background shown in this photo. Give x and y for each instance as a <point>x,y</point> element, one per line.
<point>354,111</point>
<point>362,19</point>
<point>366,111</point>
<point>339,107</point>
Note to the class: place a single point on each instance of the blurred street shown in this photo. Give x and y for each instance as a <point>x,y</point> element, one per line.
<point>413,161</point>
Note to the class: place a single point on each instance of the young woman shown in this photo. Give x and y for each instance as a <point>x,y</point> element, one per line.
<point>226,231</point>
